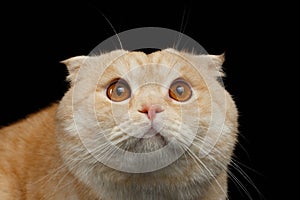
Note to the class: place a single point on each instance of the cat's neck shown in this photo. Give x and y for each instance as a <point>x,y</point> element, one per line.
<point>139,186</point>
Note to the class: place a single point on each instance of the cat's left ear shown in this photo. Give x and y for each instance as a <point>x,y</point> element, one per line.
<point>215,63</point>
<point>217,60</point>
<point>73,64</point>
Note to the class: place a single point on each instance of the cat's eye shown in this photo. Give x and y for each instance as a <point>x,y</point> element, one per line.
<point>180,90</point>
<point>118,90</point>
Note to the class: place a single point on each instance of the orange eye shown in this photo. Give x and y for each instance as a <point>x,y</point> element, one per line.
<point>118,91</point>
<point>180,91</point>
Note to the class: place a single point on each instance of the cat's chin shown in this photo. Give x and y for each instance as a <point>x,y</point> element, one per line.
<point>149,144</point>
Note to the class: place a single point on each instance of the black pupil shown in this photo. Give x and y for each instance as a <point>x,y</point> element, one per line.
<point>179,90</point>
<point>120,90</point>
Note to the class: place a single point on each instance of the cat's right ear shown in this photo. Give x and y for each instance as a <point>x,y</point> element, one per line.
<point>73,64</point>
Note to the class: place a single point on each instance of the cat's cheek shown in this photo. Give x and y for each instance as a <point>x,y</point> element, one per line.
<point>102,105</point>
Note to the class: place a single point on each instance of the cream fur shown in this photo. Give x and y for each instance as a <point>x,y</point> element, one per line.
<point>55,153</point>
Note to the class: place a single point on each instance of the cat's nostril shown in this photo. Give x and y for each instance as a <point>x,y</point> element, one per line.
<point>151,110</point>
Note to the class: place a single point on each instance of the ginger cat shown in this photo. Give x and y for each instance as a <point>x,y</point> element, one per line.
<point>131,126</point>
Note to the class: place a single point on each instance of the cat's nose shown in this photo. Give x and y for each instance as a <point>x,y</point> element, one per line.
<point>151,110</point>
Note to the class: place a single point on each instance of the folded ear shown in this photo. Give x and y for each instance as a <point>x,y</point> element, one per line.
<point>214,63</point>
<point>217,60</point>
<point>73,64</point>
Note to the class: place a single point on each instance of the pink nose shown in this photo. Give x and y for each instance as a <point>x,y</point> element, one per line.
<point>151,110</point>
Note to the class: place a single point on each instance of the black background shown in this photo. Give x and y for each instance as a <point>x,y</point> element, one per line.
<point>36,36</point>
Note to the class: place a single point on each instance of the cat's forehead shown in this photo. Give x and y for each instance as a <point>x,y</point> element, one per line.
<point>157,67</point>
<point>160,66</point>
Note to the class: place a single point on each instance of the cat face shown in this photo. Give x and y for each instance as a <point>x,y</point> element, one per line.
<point>139,113</point>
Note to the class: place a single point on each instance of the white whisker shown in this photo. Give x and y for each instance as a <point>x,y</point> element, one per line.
<point>112,27</point>
<point>211,174</point>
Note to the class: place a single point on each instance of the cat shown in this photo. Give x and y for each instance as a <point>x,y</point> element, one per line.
<point>131,126</point>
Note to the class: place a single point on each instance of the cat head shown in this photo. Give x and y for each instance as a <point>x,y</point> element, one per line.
<point>138,112</point>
